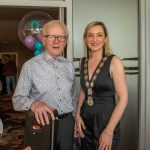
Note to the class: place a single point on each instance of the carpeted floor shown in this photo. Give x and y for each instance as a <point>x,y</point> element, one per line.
<point>14,122</point>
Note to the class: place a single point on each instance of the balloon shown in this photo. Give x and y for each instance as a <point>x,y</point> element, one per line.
<point>37,52</point>
<point>30,27</point>
<point>39,36</point>
<point>38,45</point>
<point>29,41</point>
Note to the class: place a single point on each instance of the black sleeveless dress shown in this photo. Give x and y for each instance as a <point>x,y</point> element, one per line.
<point>96,117</point>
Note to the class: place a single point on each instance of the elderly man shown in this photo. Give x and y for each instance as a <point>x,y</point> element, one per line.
<point>47,83</point>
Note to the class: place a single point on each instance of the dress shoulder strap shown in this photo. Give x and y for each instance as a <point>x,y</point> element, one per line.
<point>108,62</point>
<point>110,58</point>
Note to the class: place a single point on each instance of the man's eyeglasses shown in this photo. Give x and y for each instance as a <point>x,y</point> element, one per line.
<point>52,38</point>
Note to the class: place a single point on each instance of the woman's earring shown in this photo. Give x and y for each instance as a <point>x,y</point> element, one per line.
<point>104,49</point>
<point>88,52</point>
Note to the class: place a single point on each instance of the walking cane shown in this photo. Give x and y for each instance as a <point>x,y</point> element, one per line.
<point>54,135</point>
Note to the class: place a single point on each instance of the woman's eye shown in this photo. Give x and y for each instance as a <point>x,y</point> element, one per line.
<point>90,35</point>
<point>99,35</point>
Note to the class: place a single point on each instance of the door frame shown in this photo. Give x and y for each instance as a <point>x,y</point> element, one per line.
<point>144,94</point>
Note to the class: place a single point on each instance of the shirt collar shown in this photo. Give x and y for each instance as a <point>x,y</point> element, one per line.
<point>49,57</point>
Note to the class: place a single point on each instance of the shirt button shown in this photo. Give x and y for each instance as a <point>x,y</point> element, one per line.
<point>56,67</point>
<point>61,111</point>
<point>60,100</point>
<point>58,78</point>
<point>59,88</point>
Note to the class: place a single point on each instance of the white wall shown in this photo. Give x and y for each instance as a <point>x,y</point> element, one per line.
<point>120,17</point>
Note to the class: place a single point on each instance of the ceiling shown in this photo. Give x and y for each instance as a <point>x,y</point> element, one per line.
<point>10,18</point>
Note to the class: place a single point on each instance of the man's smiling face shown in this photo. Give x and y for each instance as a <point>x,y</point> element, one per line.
<point>55,48</point>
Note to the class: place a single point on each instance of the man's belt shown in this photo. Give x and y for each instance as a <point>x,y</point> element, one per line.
<point>62,116</point>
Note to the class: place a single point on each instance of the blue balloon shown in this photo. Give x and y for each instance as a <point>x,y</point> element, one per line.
<point>38,45</point>
<point>37,52</point>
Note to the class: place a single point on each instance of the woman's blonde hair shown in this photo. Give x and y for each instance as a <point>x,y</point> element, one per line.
<point>97,23</point>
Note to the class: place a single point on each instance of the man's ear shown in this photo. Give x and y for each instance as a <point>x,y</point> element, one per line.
<point>43,41</point>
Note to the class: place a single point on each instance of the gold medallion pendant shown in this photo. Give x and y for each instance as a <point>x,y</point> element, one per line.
<point>90,84</point>
<point>90,91</point>
<point>90,101</point>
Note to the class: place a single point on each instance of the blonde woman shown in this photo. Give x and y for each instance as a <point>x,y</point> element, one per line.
<point>102,77</point>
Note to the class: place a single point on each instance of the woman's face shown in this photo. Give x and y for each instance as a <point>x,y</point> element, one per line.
<point>95,38</point>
